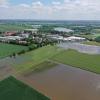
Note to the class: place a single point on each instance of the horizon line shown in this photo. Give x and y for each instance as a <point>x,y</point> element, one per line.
<point>53,19</point>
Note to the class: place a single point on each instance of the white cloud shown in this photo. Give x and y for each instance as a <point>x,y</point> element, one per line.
<point>24,5</point>
<point>3,2</point>
<point>37,3</point>
<point>69,9</point>
<point>56,3</point>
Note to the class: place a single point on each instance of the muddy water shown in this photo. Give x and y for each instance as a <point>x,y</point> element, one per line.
<point>65,83</point>
<point>5,68</point>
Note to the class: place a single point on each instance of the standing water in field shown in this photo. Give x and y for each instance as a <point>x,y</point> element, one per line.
<point>65,83</point>
<point>90,49</point>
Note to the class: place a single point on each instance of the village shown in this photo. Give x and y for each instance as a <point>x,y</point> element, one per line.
<point>29,36</point>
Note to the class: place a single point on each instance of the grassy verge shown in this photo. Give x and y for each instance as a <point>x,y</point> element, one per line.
<point>80,60</point>
<point>12,89</point>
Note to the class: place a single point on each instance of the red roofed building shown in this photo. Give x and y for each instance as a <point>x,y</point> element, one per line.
<point>9,33</point>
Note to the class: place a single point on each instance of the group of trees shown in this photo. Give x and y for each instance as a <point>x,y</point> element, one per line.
<point>30,48</point>
<point>35,45</point>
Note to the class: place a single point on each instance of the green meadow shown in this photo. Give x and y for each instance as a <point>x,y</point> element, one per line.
<point>8,49</point>
<point>13,27</point>
<point>12,89</point>
<point>79,60</point>
<point>33,59</point>
<point>37,59</point>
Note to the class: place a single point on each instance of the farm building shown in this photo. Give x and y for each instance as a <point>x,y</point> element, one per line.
<point>74,38</point>
<point>25,35</point>
<point>66,39</point>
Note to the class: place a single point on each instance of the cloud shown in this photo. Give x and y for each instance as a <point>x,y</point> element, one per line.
<point>56,3</point>
<point>3,2</point>
<point>24,5</point>
<point>37,3</point>
<point>68,9</point>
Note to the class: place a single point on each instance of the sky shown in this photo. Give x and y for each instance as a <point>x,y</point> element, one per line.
<point>50,9</point>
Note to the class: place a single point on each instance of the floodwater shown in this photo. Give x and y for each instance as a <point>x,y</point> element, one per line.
<point>90,49</point>
<point>65,83</point>
<point>61,82</point>
<point>5,68</point>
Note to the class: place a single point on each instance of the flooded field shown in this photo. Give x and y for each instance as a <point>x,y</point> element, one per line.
<point>5,68</point>
<point>90,49</point>
<point>61,82</point>
<point>65,83</point>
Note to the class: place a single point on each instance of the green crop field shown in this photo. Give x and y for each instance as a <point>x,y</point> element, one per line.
<point>8,49</point>
<point>80,60</point>
<point>12,89</point>
<point>38,59</point>
<point>13,27</point>
<point>34,58</point>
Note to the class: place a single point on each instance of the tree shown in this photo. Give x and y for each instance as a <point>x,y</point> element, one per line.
<point>97,39</point>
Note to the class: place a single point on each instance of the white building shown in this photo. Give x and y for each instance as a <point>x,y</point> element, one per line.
<point>9,38</point>
<point>74,38</point>
<point>25,35</point>
<point>65,39</point>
